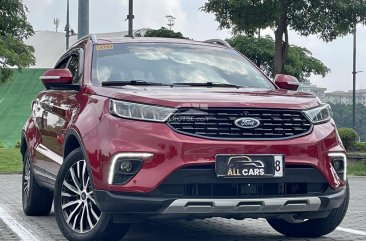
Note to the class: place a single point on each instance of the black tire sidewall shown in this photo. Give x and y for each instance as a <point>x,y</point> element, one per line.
<point>314,227</point>
<point>40,199</point>
<point>26,203</point>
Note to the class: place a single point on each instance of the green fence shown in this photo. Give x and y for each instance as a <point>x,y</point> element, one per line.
<point>15,103</point>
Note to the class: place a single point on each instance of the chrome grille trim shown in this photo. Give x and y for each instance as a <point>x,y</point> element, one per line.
<point>218,123</point>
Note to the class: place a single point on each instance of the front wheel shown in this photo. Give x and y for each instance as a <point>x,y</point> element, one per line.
<point>313,227</point>
<point>77,213</point>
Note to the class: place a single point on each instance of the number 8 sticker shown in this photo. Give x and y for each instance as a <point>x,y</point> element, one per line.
<point>278,161</point>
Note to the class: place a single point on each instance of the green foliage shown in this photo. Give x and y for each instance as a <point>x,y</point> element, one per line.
<point>17,144</point>
<point>2,144</point>
<point>348,137</point>
<point>358,147</point>
<point>244,16</point>
<point>14,28</point>
<point>300,62</point>
<point>328,19</point>
<point>342,114</point>
<point>259,50</point>
<point>163,33</point>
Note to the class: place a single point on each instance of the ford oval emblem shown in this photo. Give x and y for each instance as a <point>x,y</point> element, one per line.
<point>247,123</point>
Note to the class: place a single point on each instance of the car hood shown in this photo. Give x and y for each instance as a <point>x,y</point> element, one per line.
<point>178,96</point>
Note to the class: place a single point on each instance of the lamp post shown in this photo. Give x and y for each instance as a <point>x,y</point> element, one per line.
<point>67,27</point>
<point>354,73</point>
<point>130,18</point>
<point>83,21</point>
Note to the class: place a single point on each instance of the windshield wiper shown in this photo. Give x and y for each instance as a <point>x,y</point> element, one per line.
<point>208,84</point>
<point>131,82</point>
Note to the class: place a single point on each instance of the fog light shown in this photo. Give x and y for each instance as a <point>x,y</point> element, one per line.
<point>126,166</point>
<point>339,164</point>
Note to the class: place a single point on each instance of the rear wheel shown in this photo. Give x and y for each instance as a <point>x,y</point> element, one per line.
<point>77,212</point>
<point>37,201</point>
<point>313,227</point>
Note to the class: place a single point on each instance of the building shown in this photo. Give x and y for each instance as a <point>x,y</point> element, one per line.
<point>335,97</point>
<point>313,89</point>
<point>346,97</point>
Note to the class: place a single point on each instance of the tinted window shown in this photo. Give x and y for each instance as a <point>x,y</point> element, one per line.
<point>174,63</point>
<point>62,64</point>
<point>73,66</point>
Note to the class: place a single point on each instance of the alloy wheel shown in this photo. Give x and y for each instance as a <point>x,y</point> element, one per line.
<point>78,205</point>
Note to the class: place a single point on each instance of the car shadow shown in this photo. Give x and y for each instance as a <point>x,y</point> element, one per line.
<point>215,229</point>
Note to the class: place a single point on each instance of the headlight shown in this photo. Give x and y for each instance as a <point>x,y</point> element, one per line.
<point>319,114</point>
<point>137,111</point>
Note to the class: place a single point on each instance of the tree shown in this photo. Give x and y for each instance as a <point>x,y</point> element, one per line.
<point>259,50</point>
<point>342,115</point>
<point>300,62</point>
<point>326,18</point>
<point>14,28</point>
<point>163,33</point>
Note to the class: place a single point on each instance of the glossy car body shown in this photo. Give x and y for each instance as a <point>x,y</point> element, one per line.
<point>65,119</point>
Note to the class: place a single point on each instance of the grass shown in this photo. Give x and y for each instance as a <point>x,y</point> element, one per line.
<point>357,168</point>
<point>10,160</point>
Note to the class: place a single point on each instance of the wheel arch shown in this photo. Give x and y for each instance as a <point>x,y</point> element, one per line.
<point>23,145</point>
<point>73,141</point>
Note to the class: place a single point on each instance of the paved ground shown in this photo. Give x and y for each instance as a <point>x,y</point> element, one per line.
<point>14,225</point>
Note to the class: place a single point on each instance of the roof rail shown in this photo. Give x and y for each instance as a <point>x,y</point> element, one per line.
<point>218,42</point>
<point>92,37</point>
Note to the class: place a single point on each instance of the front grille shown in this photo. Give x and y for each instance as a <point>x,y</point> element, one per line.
<point>217,123</point>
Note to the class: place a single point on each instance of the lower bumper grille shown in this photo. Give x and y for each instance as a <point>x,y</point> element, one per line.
<point>203,183</point>
<point>242,189</point>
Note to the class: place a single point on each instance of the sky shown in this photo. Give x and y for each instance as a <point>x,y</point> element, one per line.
<point>109,16</point>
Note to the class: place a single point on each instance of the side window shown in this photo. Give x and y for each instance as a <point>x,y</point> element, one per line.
<point>73,66</point>
<point>72,62</point>
<point>62,64</point>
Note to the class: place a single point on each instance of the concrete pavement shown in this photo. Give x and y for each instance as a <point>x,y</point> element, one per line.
<point>14,225</point>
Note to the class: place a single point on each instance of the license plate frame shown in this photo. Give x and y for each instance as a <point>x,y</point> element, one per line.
<point>249,166</point>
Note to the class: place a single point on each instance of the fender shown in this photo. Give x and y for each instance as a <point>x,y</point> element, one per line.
<point>73,133</point>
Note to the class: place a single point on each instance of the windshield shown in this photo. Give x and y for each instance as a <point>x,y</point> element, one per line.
<point>173,64</point>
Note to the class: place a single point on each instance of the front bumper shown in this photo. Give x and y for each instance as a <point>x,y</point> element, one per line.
<point>142,207</point>
<point>172,151</point>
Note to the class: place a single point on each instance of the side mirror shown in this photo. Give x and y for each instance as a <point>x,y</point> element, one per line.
<point>287,82</point>
<point>56,78</point>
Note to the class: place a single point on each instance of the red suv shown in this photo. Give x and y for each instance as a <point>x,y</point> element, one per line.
<point>135,129</point>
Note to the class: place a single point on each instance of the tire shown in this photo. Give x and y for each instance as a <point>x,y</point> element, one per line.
<point>77,213</point>
<point>313,227</point>
<point>37,201</point>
